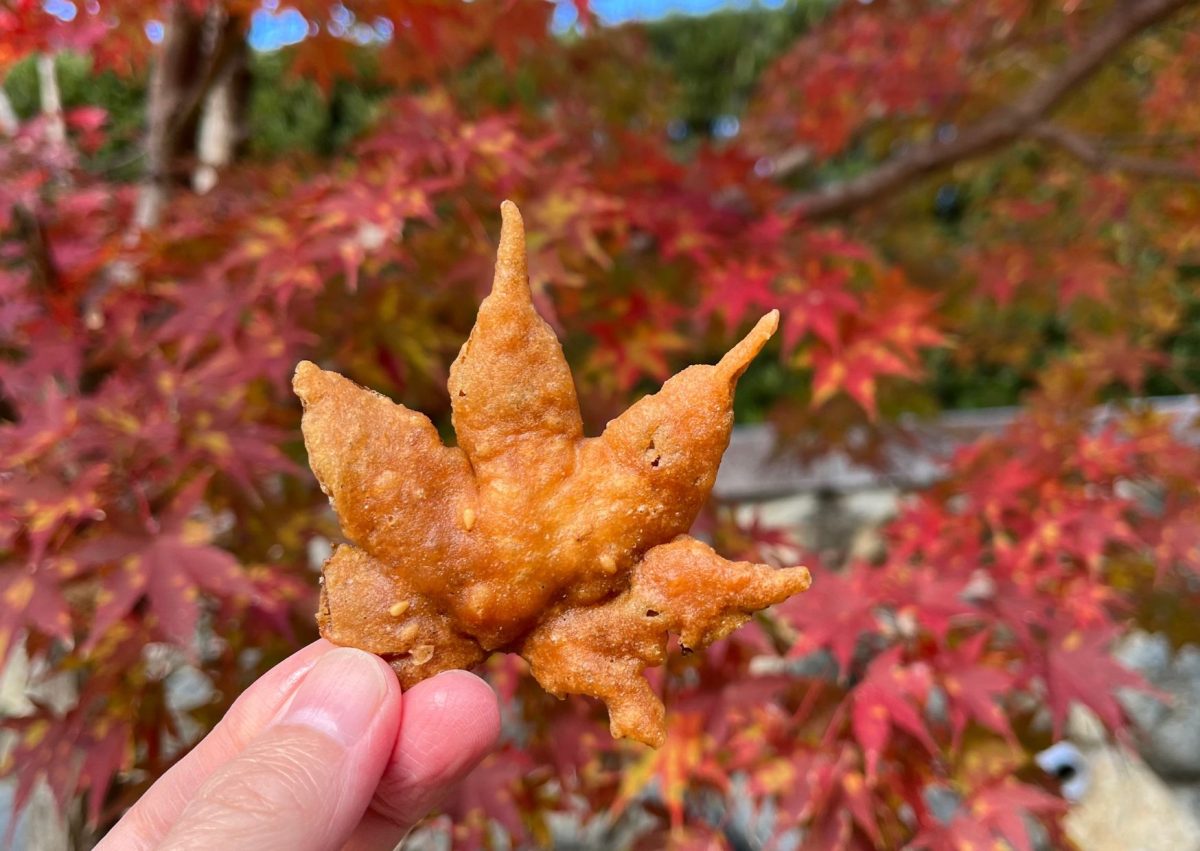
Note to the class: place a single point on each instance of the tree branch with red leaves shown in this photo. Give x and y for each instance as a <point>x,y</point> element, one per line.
<point>1001,126</point>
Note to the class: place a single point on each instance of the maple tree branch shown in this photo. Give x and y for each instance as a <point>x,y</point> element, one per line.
<point>31,230</point>
<point>1001,126</point>
<point>1093,154</point>
<point>1140,141</point>
<point>793,159</point>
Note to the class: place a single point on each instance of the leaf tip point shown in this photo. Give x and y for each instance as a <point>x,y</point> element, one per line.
<point>510,256</point>
<point>304,380</point>
<point>738,358</point>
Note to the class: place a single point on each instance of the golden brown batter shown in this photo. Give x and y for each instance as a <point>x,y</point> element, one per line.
<point>529,537</point>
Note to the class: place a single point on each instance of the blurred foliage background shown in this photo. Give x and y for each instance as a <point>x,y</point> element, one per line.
<point>705,72</point>
<point>956,205</point>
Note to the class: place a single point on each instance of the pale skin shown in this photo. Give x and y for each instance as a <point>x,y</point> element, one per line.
<point>322,753</point>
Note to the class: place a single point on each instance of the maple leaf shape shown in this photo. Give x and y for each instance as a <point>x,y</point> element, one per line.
<point>31,599</point>
<point>972,688</point>
<point>1078,667</point>
<point>855,370</point>
<point>997,811</point>
<point>491,792</point>
<point>169,567</point>
<point>1002,805</point>
<point>834,616</point>
<point>527,536</point>
<point>884,701</point>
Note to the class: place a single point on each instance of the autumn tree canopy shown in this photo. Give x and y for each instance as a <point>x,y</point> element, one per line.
<point>949,203</point>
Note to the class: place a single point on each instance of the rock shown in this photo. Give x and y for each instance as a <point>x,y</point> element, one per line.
<point>1168,733</point>
<point>39,827</point>
<point>1118,802</point>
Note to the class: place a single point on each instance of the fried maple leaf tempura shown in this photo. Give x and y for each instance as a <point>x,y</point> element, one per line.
<point>529,537</point>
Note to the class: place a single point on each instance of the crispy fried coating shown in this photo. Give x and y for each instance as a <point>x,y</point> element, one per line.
<point>529,537</point>
<point>681,587</point>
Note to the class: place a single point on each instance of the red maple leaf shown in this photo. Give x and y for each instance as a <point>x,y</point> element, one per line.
<point>832,796</point>
<point>1084,273</point>
<point>1002,272</point>
<point>972,688</point>
<point>1001,807</point>
<point>833,615</point>
<point>817,303</point>
<point>31,599</point>
<point>735,291</point>
<point>932,598</point>
<point>883,700</point>
<point>1079,667</point>
<point>169,564</point>
<point>491,793</point>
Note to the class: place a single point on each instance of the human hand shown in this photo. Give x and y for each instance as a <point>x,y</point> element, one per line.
<point>321,753</point>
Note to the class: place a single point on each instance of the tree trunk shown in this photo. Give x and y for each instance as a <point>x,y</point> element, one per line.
<point>9,123</point>
<point>51,100</point>
<point>170,79</point>
<point>221,120</point>
<point>194,51</point>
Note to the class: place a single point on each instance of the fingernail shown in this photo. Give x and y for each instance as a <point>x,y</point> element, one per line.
<point>341,695</point>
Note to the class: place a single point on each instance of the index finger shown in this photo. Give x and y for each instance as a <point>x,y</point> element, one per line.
<point>449,724</point>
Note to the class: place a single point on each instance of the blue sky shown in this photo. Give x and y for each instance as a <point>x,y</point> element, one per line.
<point>276,24</point>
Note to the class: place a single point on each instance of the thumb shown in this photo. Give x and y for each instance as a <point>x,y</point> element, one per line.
<point>305,781</point>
